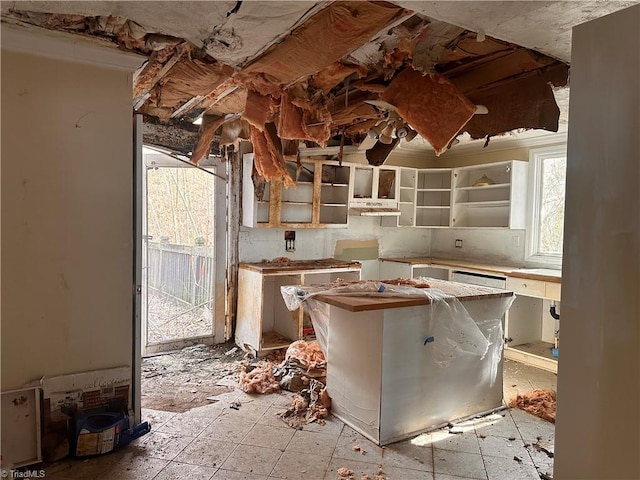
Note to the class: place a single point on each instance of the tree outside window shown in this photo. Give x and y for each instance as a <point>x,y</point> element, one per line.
<point>548,169</point>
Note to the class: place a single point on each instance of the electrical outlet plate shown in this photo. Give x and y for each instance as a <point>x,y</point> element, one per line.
<point>458,243</point>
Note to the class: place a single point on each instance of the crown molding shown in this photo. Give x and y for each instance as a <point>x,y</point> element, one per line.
<point>67,47</point>
<point>497,144</point>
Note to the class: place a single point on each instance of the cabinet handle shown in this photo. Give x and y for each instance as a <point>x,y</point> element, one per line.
<point>524,285</point>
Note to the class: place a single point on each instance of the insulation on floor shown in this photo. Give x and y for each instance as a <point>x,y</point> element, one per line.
<point>538,402</point>
<point>259,379</point>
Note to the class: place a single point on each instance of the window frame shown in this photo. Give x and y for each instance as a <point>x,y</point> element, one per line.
<point>536,158</point>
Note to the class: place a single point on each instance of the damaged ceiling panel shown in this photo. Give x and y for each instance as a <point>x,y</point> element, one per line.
<point>308,73</point>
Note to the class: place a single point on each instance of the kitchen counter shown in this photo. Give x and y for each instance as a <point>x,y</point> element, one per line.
<point>263,321</point>
<point>284,265</point>
<point>543,274</point>
<point>377,301</point>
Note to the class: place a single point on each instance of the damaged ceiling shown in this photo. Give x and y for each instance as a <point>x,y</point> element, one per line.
<point>283,74</point>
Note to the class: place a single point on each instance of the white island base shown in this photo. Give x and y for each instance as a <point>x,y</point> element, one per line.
<point>383,379</point>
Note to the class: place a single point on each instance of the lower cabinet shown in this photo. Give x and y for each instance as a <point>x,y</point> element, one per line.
<point>531,332</point>
<point>263,321</point>
<point>393,269</point>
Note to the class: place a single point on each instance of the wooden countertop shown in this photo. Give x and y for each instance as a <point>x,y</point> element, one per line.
<point>378,301</point>
<point>276,266</point>
<point>449,262</point>
<point>544,274</point>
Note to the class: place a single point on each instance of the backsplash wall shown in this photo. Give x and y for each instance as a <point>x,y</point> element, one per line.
<point>357,242</point>
<point>500,247</point>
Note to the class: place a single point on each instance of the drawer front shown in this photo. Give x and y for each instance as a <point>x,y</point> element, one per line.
<point>552,290</point>
<point>526,286</point>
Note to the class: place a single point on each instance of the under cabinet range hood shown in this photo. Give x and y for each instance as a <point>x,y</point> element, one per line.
<point>374,209</point>
<point>374,212</point>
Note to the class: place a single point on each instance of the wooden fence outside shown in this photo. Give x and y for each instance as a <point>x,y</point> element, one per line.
<point>181,271</point>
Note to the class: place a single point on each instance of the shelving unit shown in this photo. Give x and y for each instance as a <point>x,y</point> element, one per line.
<point>318,199</point>
<point>297,200</point>
<point>327,192</point>
<point>334,194</point>
<point>489,195</point>
<point>406,192</point>
<point>433,198</point>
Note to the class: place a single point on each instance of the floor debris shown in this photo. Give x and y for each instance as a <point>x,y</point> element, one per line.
<point>345,473</point>
<point>303,370</point>
<point>358,448</point>
<point>191,377</point>
<point>310,405</point>
<point>538,402</point>
<point>542,449</point>
<point>258,378</point>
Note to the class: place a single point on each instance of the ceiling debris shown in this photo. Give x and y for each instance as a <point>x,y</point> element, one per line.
<point>310,73</point>
<point>322,40</point>
<point>431,104</point>
<point>268,158</point>
<point>208,129</point>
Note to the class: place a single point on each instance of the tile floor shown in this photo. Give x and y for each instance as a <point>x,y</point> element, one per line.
<point>216,442</point>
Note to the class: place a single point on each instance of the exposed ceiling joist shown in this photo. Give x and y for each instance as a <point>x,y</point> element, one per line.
<point>307,69</point>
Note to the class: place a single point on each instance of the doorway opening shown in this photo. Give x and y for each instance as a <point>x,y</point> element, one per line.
<point>183,263</point>
<point>179,255</point>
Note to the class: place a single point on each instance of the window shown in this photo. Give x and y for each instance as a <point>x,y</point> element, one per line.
<point>548,167</point>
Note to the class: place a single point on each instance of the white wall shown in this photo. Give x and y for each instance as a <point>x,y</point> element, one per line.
<point>598,416</point>
<point>67,216</point>
<point>494,246</point>
<point>257,244</point>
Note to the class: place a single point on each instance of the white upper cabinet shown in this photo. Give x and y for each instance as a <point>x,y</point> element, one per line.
<point>374,188</point>
<point>490,195</point>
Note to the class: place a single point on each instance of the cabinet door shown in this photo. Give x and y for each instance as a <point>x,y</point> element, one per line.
<point>390,270</point>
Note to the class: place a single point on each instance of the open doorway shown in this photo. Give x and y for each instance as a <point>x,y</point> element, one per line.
<point>179,255</point>
<point>182,283</point>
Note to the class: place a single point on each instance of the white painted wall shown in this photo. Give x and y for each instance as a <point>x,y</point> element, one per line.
<point>598,416</point>
<point>257,244</point>
<point>67,216</point>
<point>494,246</point>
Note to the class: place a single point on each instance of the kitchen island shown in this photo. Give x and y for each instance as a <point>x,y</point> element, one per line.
<point>401,365</point>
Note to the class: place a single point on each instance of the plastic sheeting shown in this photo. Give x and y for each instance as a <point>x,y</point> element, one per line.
<point>452,331</point>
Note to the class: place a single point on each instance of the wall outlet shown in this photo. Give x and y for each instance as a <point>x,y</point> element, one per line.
<point>290,240</point>
<point>458,243</point>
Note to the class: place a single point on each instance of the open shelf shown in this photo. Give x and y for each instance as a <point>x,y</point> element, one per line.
<point>272,340</point>
<point>434,179</point>
<point>490,203</point>
<point>539,348</point>
<point>487,187</point>
<point>537,354</point>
